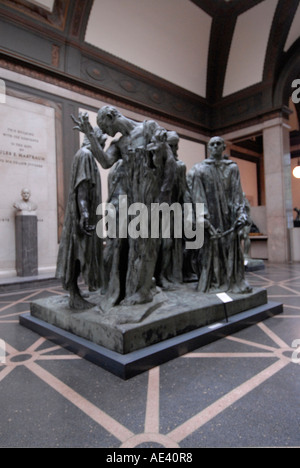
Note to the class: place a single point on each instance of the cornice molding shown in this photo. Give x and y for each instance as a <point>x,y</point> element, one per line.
<point>22,10</point>
<point>71,63</point>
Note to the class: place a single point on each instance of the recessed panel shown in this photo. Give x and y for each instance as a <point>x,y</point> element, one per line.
<point>294,31</point>
<point>46,4</point>
<point>168,38</point>
<point>248,49</point>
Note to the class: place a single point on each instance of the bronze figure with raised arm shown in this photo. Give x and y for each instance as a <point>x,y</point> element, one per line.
<point>144,173</point>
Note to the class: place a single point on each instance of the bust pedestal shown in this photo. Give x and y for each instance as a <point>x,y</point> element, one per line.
<point>26,245</point>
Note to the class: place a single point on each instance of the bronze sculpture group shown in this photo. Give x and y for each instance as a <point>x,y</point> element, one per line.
<point>144,168</point>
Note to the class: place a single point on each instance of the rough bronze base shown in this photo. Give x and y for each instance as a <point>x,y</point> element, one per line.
<point>126,329</point>
<point>128,365</point>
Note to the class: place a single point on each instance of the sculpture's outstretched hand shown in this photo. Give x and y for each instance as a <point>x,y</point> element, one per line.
<point>82,123</point>
<point>161,135</point>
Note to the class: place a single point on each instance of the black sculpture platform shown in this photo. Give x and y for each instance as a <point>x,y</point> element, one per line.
<point>163,331</point>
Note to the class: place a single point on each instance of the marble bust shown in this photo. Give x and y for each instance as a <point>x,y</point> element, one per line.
<point>25,206</point>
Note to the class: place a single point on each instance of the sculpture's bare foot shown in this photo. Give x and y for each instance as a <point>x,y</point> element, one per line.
<point>137,298</point>
<point>79,303</point>
<point>247,289</point>
<point>166,285</point>
<point>242,288</point>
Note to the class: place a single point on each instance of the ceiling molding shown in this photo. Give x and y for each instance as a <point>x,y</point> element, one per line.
<point>283,19</point>
<point>79,16</point>
<point>23,9</point>
<point>222,30</point>
<point>53,47</point>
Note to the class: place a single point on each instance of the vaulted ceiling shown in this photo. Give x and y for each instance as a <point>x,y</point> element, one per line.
<point>209,65</point>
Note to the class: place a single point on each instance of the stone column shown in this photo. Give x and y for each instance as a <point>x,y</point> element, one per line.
<point>26,245</point>
<point>277,167</point>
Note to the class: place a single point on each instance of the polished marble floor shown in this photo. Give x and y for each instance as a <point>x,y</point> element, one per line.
<point>241,391</point>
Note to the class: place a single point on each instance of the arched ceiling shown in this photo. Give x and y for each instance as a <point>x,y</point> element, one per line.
<point>206,63</point>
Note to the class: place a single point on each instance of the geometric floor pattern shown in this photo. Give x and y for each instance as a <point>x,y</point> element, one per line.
<point>240,391</point>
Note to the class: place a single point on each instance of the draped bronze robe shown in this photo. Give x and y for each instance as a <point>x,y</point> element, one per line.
<point>74,245</point>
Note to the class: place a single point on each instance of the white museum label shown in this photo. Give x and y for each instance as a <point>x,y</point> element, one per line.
<point>224,297</point>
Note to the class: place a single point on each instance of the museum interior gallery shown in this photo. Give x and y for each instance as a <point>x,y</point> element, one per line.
<point>150,225</point>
